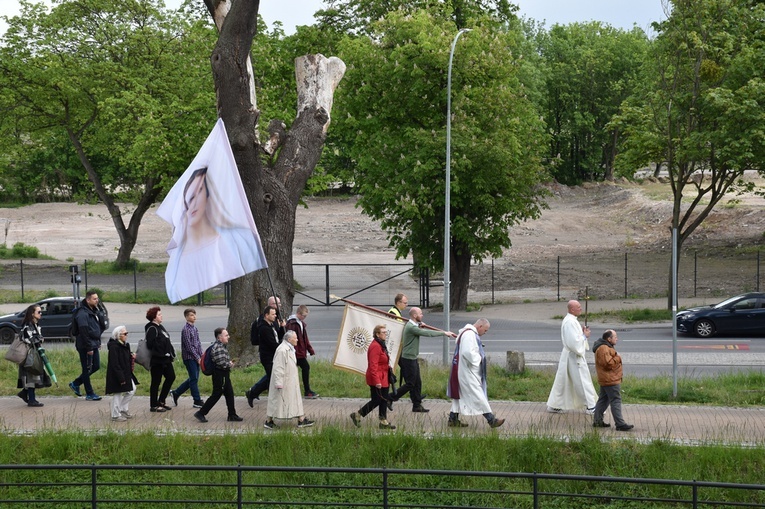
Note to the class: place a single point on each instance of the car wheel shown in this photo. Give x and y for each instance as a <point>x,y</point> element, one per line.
<point>704,328</point>
<point>6,335</point>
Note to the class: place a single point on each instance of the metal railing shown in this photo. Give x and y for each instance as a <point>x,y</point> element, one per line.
<point>160,487</point>
<point>628,275</point>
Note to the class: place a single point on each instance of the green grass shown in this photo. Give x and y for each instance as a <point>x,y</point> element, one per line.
<point>333,447</point>
<point>21,250</point>
<point>735,389</point>
<point>632,315</point>
<point>107,268</point>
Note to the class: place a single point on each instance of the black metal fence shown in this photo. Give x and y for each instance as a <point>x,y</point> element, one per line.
<point>160,487</point>
<point>627,275</point>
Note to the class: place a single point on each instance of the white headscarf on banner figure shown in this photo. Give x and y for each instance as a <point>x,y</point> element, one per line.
<point>214,235</point>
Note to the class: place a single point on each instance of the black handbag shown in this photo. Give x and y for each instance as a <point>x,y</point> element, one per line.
<point>34,364</point>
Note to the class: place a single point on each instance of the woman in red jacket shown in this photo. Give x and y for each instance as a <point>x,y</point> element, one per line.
<point>378,366</point>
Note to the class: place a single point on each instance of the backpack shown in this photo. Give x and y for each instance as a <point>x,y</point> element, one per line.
<point>74,329</point>
<point>205,362</point>
<point>254,339</point>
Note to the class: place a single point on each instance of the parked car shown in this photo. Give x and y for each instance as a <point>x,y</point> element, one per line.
<point>742,314</point>
<point>55,322</point>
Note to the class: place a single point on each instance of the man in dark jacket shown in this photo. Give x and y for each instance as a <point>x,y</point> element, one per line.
<point>608,364</point>
<point>270,333</point>
<point>90,324</point>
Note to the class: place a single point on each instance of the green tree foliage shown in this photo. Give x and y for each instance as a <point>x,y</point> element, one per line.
<point>358,16</point>
<point>591,68</point>
<point>121,87</point>
<point>702,109</point>
<point>392,117</point>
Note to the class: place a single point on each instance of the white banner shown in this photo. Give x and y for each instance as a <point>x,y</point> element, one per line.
<point>214,235</point>
<point>356,335</point>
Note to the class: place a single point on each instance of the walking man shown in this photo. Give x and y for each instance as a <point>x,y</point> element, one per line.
<point>410,369</point>
<point>467,378</point>
<point>573,389</point>
<point>399,305</point>
<point>303,347</point>
<point>608,364</point>
<point>270,334</point>
<point>191,351</point>
<point>90,324</point>
<point>221,378</point>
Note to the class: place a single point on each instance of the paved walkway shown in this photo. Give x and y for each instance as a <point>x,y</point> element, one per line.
<point>680,424</point>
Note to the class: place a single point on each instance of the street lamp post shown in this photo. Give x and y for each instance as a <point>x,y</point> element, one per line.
<point>447,201</point>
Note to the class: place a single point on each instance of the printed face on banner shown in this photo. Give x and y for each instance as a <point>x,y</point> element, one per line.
<point>214,235</point>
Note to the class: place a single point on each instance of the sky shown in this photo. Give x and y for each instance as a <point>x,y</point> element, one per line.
<point>618,13</point>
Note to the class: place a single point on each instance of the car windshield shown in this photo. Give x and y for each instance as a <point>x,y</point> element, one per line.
<point>726,302</point>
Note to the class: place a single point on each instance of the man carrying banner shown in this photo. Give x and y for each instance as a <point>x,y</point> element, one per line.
<point>399,305</point>
<point>410,369</point>
<point>467,378</point>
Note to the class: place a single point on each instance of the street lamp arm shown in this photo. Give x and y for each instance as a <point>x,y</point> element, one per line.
<point>447,200</point>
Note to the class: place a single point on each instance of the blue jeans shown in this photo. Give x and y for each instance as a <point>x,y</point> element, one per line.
<point>192,382</point>
<point>90,364</point>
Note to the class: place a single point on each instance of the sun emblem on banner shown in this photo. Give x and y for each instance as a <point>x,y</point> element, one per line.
<point>358,339</point>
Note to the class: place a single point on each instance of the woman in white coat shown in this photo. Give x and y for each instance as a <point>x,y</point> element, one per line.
<point>467,379</point>
<point>284,398</point>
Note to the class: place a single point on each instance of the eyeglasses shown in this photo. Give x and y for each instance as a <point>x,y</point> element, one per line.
<point>38,312</point>
<point>125,333</point>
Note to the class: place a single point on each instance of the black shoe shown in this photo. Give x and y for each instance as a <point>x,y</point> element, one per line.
<point>420,410</point>
<point>34,403</point>
<point>601,424</point>
<point>251,398</point>
<point>157,409</point>
<point>234,418</point>
<point>626,427</point>
<point>199,403</point>
<point>389,404</point>
<point>175,397</point>
<point>201,417</point>
<point>423,396</point>
<point>456,423</point>
<point>393,396</point>
<point>356,420</point>
<point>23,395</point>
<point>305,423</point>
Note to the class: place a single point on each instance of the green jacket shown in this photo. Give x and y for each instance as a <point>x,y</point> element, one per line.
<point>411,339</point>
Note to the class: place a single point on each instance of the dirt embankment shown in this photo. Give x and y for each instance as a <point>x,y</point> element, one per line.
<point>581,225</point>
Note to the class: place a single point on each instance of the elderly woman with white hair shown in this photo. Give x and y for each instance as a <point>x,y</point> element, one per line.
<point>120,380</point>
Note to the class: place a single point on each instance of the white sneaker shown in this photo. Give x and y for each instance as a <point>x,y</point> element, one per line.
<point>554,410</point>
<point>121,418</point>
<point>590,411</point>
<point>127,415</point>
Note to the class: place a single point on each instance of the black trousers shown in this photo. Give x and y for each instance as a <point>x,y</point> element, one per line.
<point>379,399</point>
<point>305,371</point>
<point>157,372</point>
<point>221,380</point>
<point>261,385</point>
<point>410,374</point>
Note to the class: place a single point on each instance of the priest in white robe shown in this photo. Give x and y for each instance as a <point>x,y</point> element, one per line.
<point>467,379</point>
<point>573,388</point>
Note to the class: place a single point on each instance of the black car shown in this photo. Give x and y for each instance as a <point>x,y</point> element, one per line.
<point>743,314</point>
<point>55,322</point>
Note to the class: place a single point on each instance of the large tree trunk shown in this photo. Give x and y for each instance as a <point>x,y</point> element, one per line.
<point>459,268</point>
<point>273,185</point>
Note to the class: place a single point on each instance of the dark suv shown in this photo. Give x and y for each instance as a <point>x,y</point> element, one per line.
<point>55,322</point>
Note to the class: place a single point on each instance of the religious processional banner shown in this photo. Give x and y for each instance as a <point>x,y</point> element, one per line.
<point>214,236</point>
<point>356,334</point>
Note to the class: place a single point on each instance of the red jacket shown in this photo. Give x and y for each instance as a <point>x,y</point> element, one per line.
<point>378,363</point>
<point>303,345</point>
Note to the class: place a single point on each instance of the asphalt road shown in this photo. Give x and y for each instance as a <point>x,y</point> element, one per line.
<point>647,349</point>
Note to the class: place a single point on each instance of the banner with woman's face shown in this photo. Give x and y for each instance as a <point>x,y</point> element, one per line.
<point>214,235</point>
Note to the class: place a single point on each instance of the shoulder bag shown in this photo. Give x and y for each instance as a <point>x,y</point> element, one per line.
<point>18,351</point>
